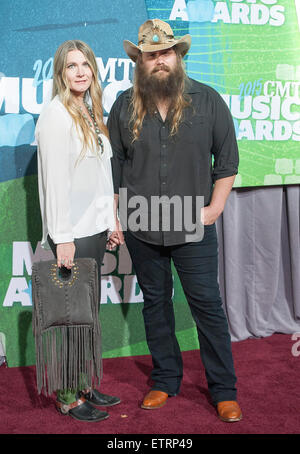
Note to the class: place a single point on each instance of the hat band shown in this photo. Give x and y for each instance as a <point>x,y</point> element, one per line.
<point>168,39</point>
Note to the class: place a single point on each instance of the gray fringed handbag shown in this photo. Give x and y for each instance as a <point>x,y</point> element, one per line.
<point>66,325</point>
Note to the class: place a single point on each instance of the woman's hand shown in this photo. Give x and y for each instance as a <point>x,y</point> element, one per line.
<point>65,254</point>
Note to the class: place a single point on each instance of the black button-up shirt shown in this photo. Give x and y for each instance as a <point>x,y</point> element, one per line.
<point>182,166</point>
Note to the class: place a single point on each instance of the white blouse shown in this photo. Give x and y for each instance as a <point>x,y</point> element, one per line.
<point>76,196</point>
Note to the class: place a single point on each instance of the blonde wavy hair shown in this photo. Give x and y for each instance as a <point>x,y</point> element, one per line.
<point>177,105</point>
<point>61,88</point>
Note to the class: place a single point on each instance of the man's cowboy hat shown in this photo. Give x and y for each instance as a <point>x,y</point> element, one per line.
<point>155,35</point>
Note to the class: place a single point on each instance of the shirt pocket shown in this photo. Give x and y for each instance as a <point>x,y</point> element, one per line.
<point>197,129</point>
<point>132,147</point>
<point>194,121</point>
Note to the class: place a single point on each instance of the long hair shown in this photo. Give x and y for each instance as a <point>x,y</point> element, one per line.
<point>61,88</point>
<point>142,98</point>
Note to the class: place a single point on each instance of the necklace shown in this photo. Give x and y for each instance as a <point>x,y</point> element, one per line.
<point>95,126</point>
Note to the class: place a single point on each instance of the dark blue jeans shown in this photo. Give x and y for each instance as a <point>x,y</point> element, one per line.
<point>197,267</point>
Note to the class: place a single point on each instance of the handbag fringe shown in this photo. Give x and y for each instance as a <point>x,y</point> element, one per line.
<point>68,357</point>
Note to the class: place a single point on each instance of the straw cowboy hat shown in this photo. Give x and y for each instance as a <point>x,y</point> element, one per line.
<point>155,35</point>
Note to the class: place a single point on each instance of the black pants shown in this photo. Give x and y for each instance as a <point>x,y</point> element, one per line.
<point>197,267</point>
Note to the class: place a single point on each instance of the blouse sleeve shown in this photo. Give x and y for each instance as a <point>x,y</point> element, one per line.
<point>54,139</point>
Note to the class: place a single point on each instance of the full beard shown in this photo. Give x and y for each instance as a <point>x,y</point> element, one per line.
<point>167,84</point>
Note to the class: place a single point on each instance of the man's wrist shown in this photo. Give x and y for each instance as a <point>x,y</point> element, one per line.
<point>217,208</point>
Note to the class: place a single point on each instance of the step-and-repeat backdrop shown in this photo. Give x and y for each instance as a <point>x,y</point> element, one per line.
<point>248,50</point>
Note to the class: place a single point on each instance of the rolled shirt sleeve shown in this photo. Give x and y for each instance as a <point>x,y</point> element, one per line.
<point>225,148</point>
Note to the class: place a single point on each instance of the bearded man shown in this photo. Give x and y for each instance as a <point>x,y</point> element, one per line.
<point>165,131</point>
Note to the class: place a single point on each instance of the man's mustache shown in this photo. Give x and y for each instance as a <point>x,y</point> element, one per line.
<point>159,68</point>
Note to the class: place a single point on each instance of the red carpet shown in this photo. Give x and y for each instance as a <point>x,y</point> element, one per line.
<point>268,392</point>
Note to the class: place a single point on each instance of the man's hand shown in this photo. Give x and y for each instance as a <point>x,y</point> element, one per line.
<point>221,191</point>
<point>116,238</point>
<point>209,215</point>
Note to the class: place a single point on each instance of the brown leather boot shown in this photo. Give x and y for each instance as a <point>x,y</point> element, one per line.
<point>154,399</point>
<point>229,411</point>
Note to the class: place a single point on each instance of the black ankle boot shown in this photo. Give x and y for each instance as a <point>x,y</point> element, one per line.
<point>81,410</point>
<point>102,400</point>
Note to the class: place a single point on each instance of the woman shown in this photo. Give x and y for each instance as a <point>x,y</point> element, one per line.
<point>75,182</point>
